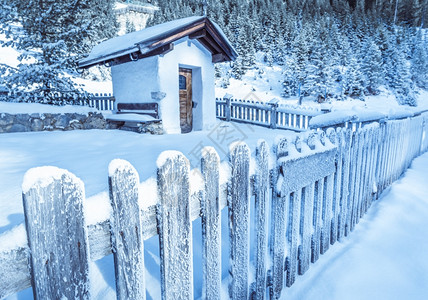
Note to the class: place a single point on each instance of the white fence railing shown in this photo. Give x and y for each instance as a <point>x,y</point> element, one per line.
<point>320,186</point>
<point>269,114</point>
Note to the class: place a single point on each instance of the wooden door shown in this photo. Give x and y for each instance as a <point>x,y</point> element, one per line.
<point>185,85</point>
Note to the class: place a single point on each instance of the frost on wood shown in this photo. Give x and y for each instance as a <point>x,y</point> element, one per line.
<point>327,213</point>
<point>262,204</point>
<point>57,234</point>
<point>175,231</point>
<point>293,235</point>
<point>211,235</point>
<point>306,225</point>
<point>300,184</point>
<point>337,139</point>
<point>278,228</point>
<point>239,205</point>
<point>344,200</point>
<point>126,232</point>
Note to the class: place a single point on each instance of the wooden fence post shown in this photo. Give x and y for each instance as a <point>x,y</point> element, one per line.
<point>318,208</point>
<point>344,197</point>
<point>337,139</point>
<point>262,207</point>
<point>175,231</point>
<point>278,227</point>
<point>239,205</point>
<point>227,107</point>
<point>211,235</point>
<point>126,231</point>
<point>295,200</point>
<point>273,108</point>
<point>57,234</point>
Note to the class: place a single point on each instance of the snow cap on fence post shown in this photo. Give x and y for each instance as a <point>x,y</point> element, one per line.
<point>239,205</point>
<point>126,231</point>
<point>174,226</point>
<point>57,234</point>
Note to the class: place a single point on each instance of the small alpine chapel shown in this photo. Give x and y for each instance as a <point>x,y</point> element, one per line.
<point>169,65</point>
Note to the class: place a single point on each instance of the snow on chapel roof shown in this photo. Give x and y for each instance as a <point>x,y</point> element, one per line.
<point>159,40</point>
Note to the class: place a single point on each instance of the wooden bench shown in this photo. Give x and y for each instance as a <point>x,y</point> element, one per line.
<point>150,109</point>
<point>131,116</point>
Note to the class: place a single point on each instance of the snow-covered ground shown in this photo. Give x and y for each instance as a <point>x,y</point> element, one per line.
<point>384,258</point>
<point>87,154</point>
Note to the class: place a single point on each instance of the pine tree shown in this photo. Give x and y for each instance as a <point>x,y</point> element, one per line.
<point>371,66</point>
<point>419,63</point>
<point>353,85</point>
<point>54,35</point>
<point>290,85</point>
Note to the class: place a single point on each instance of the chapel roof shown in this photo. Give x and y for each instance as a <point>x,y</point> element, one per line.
<point>159,39</point>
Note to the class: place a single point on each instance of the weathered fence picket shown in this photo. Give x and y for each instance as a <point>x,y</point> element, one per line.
<point>175,231</point>
<point>318,189</point>
<point>211,238</point>
<point>278,228</point>
<point>57,235</point>
<point>261,192</point>
<point>126,231</point>
<point>239,217</point>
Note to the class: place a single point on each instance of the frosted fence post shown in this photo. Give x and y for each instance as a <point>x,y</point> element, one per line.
<point>295,198</point>
<point>262,208</point>
<point>318,209</point>
<point>175,231</point>
<point>344,196</point>
<point>57,234</point>
<point>363,161</point>
<point>352,179</point>
<point>278,227</point>
<point>126,232</point>
<point>273,112</point>
<point>238,205</point>
<point>357,181</point>
<point>369,169</point>
<point>305,250</point>
<point>211,235</point>
<point>327,213</point>
<point>336,137</point>
<point>227,106</point>
<point>364,194</point>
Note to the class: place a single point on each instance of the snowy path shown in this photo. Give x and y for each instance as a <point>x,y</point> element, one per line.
<point>386,257</point>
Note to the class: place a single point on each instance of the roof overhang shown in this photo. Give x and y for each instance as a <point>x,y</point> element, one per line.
<point>202,30</point>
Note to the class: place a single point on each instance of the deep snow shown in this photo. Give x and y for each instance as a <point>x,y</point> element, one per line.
<point>384,258</point>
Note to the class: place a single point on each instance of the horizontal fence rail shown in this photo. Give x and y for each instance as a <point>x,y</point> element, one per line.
<point>102,101</point>
<point>269,114</point>
<point>321,184</point>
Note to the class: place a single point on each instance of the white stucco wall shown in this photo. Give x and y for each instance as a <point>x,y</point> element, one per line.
<point>187,54</point>
<point>136,80</point>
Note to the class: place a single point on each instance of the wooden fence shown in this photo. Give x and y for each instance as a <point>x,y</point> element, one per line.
<point>269,114</point>
<point>321,184</point>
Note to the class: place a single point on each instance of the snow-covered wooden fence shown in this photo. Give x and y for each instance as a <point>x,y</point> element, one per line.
<point>307,193</point>
<point>100,101</point>
<point>269,114</point>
